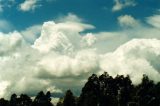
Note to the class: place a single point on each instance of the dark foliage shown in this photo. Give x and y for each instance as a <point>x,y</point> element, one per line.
<point>101,90</point>
<point>119,91</point>
<point>24,100</point>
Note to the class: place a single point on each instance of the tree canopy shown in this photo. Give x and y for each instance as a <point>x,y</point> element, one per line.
<point>103,90</point>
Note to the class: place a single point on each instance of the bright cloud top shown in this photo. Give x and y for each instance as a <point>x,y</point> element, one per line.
<point>62,58</point>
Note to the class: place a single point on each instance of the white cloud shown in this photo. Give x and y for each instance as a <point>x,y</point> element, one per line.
<point>31,64</point>
<point>28,5</point>
<point>128,21</point>
<point>120,4</point>
<point>55,39</point>
<point>154,21</point>
<point>9,42</point>
<point>135,58</point>
<point>3,87</point>
<point>61,36</point>
<point>72,21</point>
<point>62,58</point>
<point>88,40</point>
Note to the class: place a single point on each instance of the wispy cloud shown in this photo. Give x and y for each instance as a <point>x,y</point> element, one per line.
<point>154,21</point>
<point>29,5</point>
<point>121,4</point>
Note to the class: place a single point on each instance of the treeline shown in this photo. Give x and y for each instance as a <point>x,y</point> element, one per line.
<point>103,90</point>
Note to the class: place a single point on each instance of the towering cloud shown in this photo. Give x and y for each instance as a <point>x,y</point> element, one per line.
<point>63,58</point>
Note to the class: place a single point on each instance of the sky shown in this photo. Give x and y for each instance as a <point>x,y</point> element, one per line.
<point>57,44</point>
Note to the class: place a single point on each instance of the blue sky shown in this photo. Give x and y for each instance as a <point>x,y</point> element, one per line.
<point>99,13</point>
<point>57,44</point>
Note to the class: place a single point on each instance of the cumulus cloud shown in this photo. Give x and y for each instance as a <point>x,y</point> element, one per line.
<point>120,4</point>
<point>28,5</point>
<point>134,58</point>
<point>128,21</point>
<point>62,58</point>
<point>55,39</point>
<point>63,36</point>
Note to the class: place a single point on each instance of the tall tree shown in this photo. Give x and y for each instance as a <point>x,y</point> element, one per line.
<point>69,99</point>
<point>90,92</point>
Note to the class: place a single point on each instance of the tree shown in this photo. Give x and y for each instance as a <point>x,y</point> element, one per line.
<point>69,99</point>
<point>90,92</point>
<point>13,100</point>
<point>3,102</point>
<point>42,99</point>
<point>24,100</point>
<point>48,99</point>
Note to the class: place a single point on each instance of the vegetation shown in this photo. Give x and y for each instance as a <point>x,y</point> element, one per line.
<point>99,91</point>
